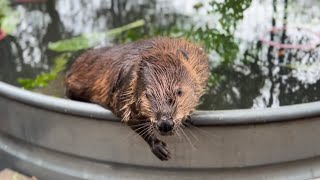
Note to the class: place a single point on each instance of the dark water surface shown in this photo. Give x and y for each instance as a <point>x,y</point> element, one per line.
<point>253,64</point>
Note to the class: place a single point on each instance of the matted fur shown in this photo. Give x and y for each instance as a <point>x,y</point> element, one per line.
<point>141,79</point>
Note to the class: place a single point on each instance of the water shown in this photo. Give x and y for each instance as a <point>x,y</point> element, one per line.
<point>252,66</point>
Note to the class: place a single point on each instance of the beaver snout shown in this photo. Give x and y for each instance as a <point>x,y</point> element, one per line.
<point>165,125</point>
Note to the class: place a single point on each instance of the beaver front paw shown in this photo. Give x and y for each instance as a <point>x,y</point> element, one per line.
<point>160,149</point>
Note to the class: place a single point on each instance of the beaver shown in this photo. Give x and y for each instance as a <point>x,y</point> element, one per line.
<point>153,85</point>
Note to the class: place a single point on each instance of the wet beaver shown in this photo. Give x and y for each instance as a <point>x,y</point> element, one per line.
<point>153,85</point>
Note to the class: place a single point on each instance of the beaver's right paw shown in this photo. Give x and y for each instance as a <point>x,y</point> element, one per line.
<point>160,149</point>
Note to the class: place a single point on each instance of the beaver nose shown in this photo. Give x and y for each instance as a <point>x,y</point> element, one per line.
<point>165,124</point>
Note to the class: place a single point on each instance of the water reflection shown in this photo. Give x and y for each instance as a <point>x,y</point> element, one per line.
<point>269,75</point>
<point>270,46</point>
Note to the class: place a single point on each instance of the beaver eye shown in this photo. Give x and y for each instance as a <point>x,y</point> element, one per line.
<point>179,92</point>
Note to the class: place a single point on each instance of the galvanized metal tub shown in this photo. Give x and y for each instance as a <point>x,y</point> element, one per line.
<point>55,138</point>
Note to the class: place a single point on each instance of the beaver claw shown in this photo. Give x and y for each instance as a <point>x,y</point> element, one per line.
<point>160,149</point>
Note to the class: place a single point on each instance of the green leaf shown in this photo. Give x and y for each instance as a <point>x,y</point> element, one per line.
<point>4,7</point>
<point>89,40</point>
<point>198,5</point>
<point>9,22</point>
<point>8,18</point>
<point>304,67</point>
<point>43,79</point>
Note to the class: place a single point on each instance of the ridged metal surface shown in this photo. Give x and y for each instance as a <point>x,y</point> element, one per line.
<point>50,165</point>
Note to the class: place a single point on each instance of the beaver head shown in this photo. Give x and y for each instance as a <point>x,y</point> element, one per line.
<point>169,90</point>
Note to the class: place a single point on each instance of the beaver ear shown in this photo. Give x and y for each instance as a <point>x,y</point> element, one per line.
<point>184,53</point>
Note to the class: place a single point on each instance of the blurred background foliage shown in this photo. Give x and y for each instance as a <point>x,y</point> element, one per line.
<point>246,72</point>
<point>220,40</point>
<point>8,18</point>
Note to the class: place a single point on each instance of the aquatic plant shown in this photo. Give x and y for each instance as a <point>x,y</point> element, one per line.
<point>221,40</point>
<point>89,40</point>
<point>43,79</point>
<point>217,37</point>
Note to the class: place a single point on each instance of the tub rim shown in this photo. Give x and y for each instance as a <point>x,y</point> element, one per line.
<point>208,117</point>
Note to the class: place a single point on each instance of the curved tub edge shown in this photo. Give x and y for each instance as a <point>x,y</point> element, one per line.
<point>221,117</point>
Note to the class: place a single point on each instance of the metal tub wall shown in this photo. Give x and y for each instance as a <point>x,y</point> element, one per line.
<point>55,138</point>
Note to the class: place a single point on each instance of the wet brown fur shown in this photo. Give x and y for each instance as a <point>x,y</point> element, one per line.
<point>137,80</point>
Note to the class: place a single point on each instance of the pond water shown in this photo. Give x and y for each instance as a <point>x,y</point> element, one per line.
<point>263,53</point>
